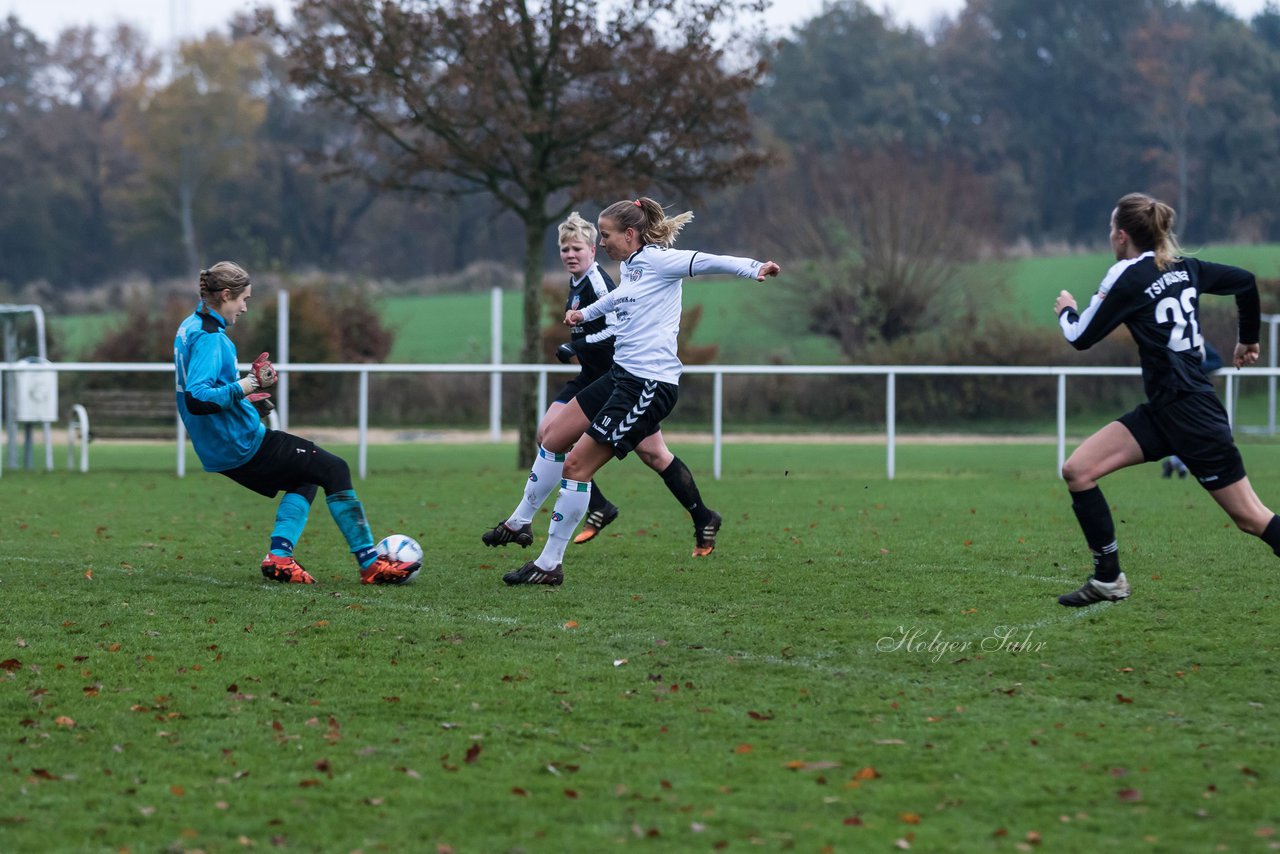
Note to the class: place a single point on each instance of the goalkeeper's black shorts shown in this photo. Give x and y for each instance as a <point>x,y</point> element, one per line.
<point>289,463</point>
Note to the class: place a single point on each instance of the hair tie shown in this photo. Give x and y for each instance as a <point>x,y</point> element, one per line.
<point>637,203</point>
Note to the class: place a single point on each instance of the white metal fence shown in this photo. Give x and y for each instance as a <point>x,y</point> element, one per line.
<point>889,373</point>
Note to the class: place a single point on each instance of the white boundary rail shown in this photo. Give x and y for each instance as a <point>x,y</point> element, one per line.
<point>890,373</point>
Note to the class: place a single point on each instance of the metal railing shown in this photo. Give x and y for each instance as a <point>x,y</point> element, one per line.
<point>890,374</point>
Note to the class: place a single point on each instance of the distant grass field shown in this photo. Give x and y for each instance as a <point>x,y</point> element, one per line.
<point>1035,282</point>
<point>738,316</point>
<point>862,665</point>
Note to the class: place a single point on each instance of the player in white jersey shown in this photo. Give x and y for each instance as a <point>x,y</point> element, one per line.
<point>628,404</point>
<point>591,343</point>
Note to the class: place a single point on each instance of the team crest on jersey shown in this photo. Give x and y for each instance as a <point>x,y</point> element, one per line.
<point>574,303</point>
<point>633,275</point>
<point>533,478</point>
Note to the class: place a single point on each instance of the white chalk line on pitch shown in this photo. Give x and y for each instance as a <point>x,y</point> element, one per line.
<point>819,663</point>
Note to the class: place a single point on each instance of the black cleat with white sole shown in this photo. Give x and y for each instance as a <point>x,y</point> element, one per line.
<point>1095,591</point>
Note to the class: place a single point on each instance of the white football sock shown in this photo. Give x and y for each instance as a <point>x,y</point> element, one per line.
<point>544,476</point>
<point>571,506</point>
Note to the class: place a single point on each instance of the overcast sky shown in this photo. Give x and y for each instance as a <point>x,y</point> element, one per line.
<point>164,19</point>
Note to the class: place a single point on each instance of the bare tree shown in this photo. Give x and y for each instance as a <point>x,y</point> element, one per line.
<point>540,105</point>
<point>884,233</point>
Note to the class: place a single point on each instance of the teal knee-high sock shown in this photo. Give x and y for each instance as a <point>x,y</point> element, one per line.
<point>348,512</point>
<point>291,518</point>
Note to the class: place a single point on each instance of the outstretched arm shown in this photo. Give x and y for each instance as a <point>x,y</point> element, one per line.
<point>768,268</point>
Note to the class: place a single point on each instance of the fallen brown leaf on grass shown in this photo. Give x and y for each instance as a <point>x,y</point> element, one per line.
<point>821,765</point>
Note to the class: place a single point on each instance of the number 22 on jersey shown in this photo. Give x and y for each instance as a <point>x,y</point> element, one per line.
<point>1182,313</point>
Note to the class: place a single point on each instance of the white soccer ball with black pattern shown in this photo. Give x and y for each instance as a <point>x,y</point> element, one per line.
<point>404,549</point>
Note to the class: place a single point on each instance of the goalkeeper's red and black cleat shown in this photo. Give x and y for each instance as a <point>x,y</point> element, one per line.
<point>285,569</point>
<point>384,570</point>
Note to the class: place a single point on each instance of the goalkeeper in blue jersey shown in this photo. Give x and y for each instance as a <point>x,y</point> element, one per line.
<point>223,411</point>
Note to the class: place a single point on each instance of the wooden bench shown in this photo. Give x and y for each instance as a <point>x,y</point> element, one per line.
<point>129,413</point>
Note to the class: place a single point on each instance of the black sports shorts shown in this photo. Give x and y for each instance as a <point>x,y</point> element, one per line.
<point>289,463</point>
<point>625,409</point>
<point>575,385</point>
<point>1193,426</point>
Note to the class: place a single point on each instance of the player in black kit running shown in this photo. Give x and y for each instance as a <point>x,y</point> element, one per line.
<point>1155,292</point>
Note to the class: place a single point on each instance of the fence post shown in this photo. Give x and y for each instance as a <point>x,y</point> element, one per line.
<point>495,358</point>
<point>890,421</point>
<point>717,423</point>
<point>363,421</point>
<point>1272,321</point>
<point>1062,421</point>
<point>282,355</point>
<point>1230,394</point>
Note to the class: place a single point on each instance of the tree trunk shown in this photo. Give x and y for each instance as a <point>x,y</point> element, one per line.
<point>535,229</point>
<point>186,217</point>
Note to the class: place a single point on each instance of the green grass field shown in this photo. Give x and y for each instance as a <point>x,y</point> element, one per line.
<point>862,665</point>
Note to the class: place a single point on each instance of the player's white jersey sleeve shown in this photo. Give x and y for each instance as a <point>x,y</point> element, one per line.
<point>1073,326</point>
<point>690,262</point>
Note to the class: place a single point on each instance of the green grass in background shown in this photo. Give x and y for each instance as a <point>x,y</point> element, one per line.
<point>863,665</point>
<point>77,334</point>
<point>740,317</point>
<point>1035,282</point>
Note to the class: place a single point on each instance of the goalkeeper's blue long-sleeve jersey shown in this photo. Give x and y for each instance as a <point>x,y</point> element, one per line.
<point>224,427</point>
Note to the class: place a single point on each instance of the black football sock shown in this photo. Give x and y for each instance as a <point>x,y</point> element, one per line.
<point>1094,516</point>
<point>1271,536</point>
<point>680,481</point>
<point>598,501</point>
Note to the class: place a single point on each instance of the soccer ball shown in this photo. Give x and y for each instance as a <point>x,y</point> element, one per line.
<point>404,549</point>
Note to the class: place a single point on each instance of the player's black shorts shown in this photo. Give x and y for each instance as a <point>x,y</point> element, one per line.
<point>625,409</point>
<point>574,386</point>
<point>289,463</point>
<point>1193,426</point>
